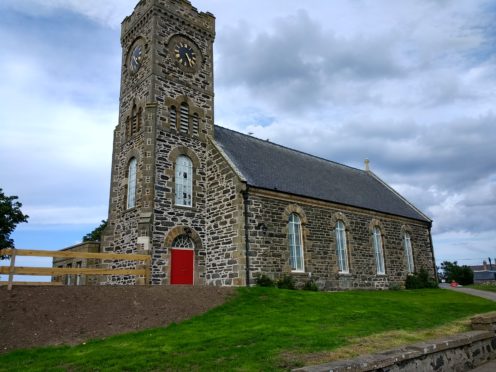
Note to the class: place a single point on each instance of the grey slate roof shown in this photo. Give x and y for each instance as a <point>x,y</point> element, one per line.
<point>273,167</point>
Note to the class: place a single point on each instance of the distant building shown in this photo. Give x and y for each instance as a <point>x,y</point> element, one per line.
<point>484,273</point>
<point>66,263</point>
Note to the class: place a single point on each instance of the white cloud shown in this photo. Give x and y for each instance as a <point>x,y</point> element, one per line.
<point>109,12</point>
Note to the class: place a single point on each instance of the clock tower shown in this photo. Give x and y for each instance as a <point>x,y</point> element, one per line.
<point>166,117</point>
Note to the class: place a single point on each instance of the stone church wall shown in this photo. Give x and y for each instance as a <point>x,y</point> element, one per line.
<point>167,216</point>
<point>269,250</point>
<point>121,234</point>
<point>225,253</point>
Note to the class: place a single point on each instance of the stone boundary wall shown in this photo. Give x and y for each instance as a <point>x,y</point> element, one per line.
<point>461,352</point>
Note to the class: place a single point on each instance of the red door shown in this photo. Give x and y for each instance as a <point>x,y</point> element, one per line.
<point>182,266</point>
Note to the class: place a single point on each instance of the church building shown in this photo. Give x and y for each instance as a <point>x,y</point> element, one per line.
<point>216,207</point>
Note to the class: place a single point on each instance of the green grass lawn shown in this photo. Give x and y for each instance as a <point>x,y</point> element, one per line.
<point>483,287</point>
<point>255,329</point>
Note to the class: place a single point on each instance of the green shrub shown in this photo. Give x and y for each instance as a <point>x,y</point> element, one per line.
<point>395,287</point>
<point>264,281</point>
<point>310,285</point>
<point>420,280</point>
<point>286,282</point>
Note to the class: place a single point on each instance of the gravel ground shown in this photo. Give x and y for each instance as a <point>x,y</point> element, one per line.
<point>40,316</point>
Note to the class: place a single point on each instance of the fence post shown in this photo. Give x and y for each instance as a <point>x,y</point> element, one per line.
<point>11,269</point>
<point>147,270</point>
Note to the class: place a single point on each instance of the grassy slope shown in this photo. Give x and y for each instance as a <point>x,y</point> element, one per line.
<point>254,329</point>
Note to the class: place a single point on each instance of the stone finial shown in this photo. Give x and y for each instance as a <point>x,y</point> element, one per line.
<point>367,165</point>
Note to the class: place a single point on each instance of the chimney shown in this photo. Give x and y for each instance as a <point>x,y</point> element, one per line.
<point>484,265</point>
<point>367,165</point>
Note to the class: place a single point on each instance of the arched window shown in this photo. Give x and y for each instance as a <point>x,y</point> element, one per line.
<point>184,181</point>
<point>184,242</point>
<point>173,117</point>
<point>196,124</point>
<point>184,118</point>
<point>407,244</point>
<point>378,251</point>
<point>295,243</point>
<point>341,247</point>
<point>131,183</point>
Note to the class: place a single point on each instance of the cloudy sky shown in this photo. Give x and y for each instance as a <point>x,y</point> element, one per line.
<point>411,85</point>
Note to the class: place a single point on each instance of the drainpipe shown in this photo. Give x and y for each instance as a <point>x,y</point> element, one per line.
<point>247,237</point>
<point>432,252</point>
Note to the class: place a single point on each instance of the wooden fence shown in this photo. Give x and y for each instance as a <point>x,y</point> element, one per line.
<point>142,270</point>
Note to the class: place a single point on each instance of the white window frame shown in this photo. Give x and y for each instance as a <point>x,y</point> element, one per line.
<point>184,181</point>
<point>378,251</point>
<point>183,242</point>
<point>295,240</point>
<point>407,244</point>
<point>342,248</point>
<point>131,183</point>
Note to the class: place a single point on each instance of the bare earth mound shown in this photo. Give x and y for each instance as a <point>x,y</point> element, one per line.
<point>40,316</point>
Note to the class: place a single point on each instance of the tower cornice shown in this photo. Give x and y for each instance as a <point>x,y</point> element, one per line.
<point>203,22</point>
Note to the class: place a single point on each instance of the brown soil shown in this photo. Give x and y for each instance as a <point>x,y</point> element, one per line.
<point>39,316</point>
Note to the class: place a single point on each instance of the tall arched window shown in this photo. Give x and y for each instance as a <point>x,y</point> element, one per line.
<point>341,247</point>
<point>184,181</point>
<point>131,183</point>
<point>295,243</point>
<point>184,118</point>
<point>378,251</point>
<point>196,124</point>
<point>173,117</point>
<point>407,244</point>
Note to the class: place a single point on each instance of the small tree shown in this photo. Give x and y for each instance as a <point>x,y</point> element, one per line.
<point>10,216</point>
<point>460,274</point>
<point>96,234</point>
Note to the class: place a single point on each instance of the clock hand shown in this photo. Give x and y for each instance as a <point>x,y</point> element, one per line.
<point>189,60</point>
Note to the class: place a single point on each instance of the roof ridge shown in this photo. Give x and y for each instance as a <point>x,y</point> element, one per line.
<point>399,195</point>
<point>291,149</point>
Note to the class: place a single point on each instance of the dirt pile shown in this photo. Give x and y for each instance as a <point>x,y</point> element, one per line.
<point>39,316</point>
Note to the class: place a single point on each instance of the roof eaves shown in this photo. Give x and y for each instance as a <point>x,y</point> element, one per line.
<point>343,204</point>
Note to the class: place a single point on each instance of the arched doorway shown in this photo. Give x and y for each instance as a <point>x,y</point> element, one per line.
<point>182,260</point>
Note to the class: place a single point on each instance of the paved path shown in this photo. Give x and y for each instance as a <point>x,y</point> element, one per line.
<point>474,292</point>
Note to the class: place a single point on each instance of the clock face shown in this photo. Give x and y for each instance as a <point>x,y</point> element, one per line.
<point>136,59</point>
<point>185,54</point>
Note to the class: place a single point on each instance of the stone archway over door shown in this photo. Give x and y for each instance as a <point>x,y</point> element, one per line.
<point>182,261</point>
